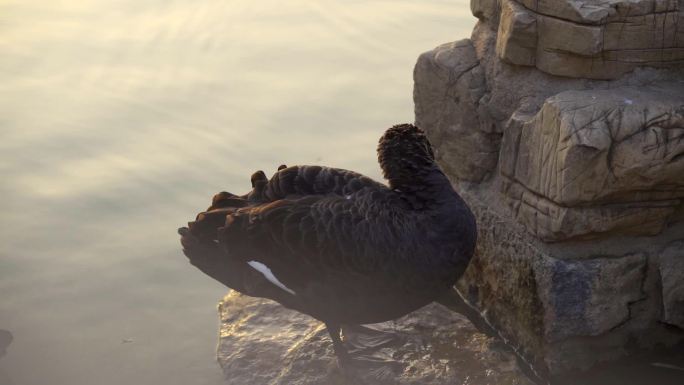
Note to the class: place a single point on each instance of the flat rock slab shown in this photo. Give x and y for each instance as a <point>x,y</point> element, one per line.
<point>262,342</point>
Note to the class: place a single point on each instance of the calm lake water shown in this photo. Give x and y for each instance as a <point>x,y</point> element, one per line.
<point>118,122</point>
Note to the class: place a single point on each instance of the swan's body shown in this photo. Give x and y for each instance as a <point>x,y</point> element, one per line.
<point>337,245</point>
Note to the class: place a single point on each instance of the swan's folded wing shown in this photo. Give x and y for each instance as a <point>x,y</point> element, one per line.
<point>315,180</point>
<point>297,182</point>
<point>307,241</point>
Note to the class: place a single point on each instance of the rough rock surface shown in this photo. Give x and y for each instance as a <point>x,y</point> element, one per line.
<point>672,273</point>
<point>623,144</point>
<point>450,76</point>
<point>572,305</point>
<point>577,182</point>
<point>263,343</point>
<point>593,161</point>
<point>588,38</point>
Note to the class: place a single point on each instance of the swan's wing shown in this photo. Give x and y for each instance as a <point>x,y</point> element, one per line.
<point>297,181</point>
<point>316,180</point>
<point>309,242</point>
<point>204,251</point>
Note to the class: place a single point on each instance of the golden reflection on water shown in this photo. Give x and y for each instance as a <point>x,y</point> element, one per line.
<point>120,119</point>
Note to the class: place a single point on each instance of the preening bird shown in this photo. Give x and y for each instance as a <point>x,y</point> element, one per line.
<point>337,245</point>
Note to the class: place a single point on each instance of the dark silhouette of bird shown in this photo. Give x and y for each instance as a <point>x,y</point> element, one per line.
<point>337,245</point>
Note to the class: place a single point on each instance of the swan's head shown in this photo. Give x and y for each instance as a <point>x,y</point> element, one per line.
<point>403,152</point>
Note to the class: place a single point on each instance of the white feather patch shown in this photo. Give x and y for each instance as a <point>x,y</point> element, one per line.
<point>263,269</point>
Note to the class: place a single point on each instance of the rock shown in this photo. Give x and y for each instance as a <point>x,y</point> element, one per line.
<point>551,222</point>
<point>262,342</point>
<point>517,35</point>
<point>559,35</point>
<point>588,297</point>
<point>621,145</point>
<point>583,38</point>
<point>578,11</point>
<point>451,80</point>
<point>566,307</point>
<point>672,275</point>
<point>561,122</point>
<point>486,10</point>
<point>596,161</point>
<point>643,32</point>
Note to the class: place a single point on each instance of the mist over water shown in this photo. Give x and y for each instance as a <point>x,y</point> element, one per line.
<point>118,122</point>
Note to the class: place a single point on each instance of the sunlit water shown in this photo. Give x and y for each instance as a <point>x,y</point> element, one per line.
<point>120,119</point>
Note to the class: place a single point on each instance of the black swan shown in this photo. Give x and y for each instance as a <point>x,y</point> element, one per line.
<point>337,245</point>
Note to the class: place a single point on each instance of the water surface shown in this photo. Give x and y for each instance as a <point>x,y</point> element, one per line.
<point>120,119</point>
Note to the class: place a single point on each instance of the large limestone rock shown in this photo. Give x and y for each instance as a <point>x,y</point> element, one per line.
<point>577,182</point>
<point>588,38</point>
<point>451,78</point>
<point>595,161</point>
<point>264,343</point>
<point>570,306</point>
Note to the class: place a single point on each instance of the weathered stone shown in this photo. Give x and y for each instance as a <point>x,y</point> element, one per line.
<point>578,11</point>
<point>560,35</point>
<point>655,57</point>
<point>672,275</point>
<point>588,297</point>
<point>608,64</point>
<point>567,306</point>
<point>486,10</point>
<point>583,38</point>
<point>500,281</point>
<point>586,146</point>
<point>567,64</point>
<point>587,187</point>
<point>451,82</point>
<point>552,222</point>
<point>262,342</point>
<point>517,37</point>
<point>598,161</point>
<point>598,12</point>
<point>651,31</point>
<point>679,31</point>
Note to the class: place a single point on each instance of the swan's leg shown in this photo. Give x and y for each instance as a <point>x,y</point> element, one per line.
<point>367,364</point>
<point>340,351</point>
<point>453,301</point>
